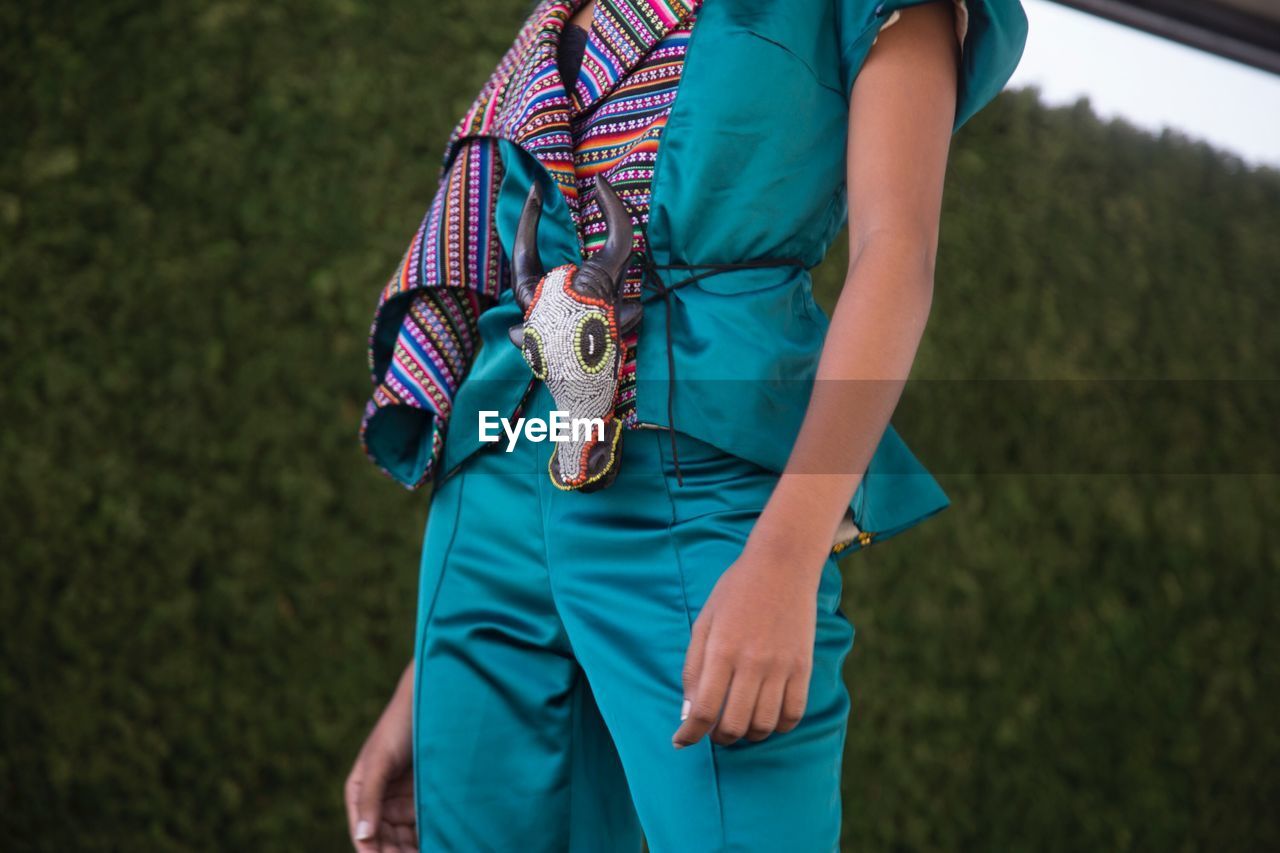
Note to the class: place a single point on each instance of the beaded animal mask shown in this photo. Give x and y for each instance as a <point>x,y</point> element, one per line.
<point>574,321</point>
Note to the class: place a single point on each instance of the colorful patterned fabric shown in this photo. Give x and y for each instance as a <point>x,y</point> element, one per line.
<point>620,138</point>
<point>435,326</point>
<point>424,335</point>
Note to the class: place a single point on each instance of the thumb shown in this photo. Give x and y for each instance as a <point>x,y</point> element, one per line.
<point>369,800</point>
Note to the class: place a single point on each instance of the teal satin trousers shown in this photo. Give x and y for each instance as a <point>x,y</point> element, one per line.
<point>551,635</point>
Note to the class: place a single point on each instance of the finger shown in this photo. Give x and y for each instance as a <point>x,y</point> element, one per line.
<point>744,689</point>
<point>693,657</point>
<point>398,810</point>
<point>705,699</point>
<point>793,703</point>
<point>350,791</point>
<point>369,805</point>
<point>768,708</point>
<point>351,795</point>
<point>407,839</point>
<point>387,842</point>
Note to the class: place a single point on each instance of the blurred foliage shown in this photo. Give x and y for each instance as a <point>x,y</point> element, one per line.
<point>1070,660</point>
<point>207,592</point>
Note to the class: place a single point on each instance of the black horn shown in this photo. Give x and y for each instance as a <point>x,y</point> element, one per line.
<point>526,263</point>
<point>613,258</point>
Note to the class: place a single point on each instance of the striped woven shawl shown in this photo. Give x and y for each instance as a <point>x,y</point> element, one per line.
<point>424,334</point>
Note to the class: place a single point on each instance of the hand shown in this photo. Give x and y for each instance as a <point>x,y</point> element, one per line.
<point>751,652</point>
<point>379,789</point>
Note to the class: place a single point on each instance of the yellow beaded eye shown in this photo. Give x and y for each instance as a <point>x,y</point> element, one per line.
<point>532,349</point>
<point>593,344</point>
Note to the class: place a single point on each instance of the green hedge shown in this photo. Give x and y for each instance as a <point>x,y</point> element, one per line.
<point>207,591</point>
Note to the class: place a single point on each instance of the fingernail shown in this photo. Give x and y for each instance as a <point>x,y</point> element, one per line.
<point>678,745</point>
<point>363,831</point>
<point>684,709</point>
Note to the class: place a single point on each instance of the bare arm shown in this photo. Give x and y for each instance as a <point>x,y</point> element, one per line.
<point>900,120</point>
<point>750,657</point>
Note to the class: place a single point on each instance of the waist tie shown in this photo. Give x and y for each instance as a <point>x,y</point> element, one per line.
<point>659,288</point>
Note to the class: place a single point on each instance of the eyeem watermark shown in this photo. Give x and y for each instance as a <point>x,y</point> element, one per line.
<point>561,427</point>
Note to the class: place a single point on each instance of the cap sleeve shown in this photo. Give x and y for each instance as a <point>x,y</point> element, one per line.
<point>992,35</point>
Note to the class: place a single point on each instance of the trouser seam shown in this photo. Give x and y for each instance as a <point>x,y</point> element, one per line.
<point>545,495</point>
<point>571,752</point>
<point>688,615</point>
<point>421,643</point>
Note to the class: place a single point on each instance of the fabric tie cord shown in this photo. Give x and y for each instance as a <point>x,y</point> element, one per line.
<point>656,288</point>
<point>572,333</point>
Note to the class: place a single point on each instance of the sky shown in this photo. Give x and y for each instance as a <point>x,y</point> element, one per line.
<point>1151,82</point>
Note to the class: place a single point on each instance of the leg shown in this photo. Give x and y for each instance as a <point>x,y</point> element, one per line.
<point>630,575</point>
<point>509,749</point>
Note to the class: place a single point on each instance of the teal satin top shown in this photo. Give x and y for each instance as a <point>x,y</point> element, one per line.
<point>751,165</point>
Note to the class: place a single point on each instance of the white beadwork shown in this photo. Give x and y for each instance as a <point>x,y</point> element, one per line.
<point>557,318</point>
